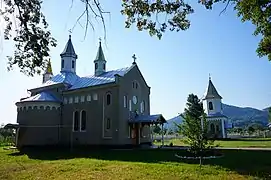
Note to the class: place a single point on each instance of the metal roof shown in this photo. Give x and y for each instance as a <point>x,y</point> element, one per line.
<point>43,96</point>
<point>105,78</point>
<point>216,115</point>
<point>69,50</point>
<point>100,54</point>
<point>156,118</point>
<point>76,82</point>
<point>211,92</point>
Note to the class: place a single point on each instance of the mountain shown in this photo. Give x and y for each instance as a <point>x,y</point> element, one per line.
<point>239,116</point>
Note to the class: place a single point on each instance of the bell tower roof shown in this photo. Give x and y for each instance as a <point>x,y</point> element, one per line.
<point>69,50</point>
<point>49,68</point>
<point>100,53</point>
<point>211,92</point>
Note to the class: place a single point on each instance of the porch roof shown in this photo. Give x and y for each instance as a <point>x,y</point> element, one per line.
<point>156,118</point>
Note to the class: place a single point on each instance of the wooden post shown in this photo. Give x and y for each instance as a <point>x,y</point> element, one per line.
<point>162,134</point>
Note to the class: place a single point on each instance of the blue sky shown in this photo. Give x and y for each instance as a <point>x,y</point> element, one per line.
<point>175,66</point>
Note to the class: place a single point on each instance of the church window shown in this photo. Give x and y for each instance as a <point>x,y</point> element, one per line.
<point>211,106</point>
<point>142,106</point>
<point>54,108</point>
<point>41,107</point>
<point>62,63</point>
<point>35,107</point>
<point>76,121</point>
<point>95,97</point>
<point>125,101</point>
<point>82,98</point>
<point>47,107</point>
<point>70,100</point>
<point>83,120</point>
<point>65,101</point>
<point>108,123</point>
<point>96,65</point>
<point>73,64</point>
<point>108,99</point>
<point>29,107</point>
<point>24,109</point>
<point>89,98</point>
<point>136,85</point>
<point>104,66</point>
<point>76,99</point>
<point>130,105</point>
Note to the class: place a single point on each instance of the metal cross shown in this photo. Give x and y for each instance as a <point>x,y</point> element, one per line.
<point>70,31</point>
<point>100,39</point>
<point>209,76</point>
<point>134,57</point>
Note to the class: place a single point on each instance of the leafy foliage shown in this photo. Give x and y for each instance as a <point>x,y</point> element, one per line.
<point>146,15</point>
<point>33,40</point>
<point>258,12</point>
<point>195,133</point>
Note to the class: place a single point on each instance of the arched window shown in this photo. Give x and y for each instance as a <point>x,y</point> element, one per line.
<point>212,128</point>
<point>108,99</point>
<point>83,120</point>
<point>76,121</point>
<point>211,106</point>
<point>108,123</point>
<point>142,106</point>
<point>125,101</point>
<point>104,66</point>
<point>73,63</point>
<point>62,63</point>
<point>96,65</point>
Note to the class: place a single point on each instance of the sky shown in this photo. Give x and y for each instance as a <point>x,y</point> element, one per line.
<point>175,66</point>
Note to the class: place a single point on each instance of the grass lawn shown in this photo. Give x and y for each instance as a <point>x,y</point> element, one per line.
<point>130,164</point>
<point>252,142</point>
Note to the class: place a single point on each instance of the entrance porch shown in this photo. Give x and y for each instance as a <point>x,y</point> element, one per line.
<point>141,132</point>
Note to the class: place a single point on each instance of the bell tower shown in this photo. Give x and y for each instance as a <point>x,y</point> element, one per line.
<point>68,58</point>
<point>212,100</point>
<point>100,62</point>
<point>48,74</point>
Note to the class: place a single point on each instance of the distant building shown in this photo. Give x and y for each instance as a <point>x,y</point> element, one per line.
<point>107,108</point>
<point>212,104</point>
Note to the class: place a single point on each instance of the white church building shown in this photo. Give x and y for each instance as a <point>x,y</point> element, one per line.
<point>212,104</point>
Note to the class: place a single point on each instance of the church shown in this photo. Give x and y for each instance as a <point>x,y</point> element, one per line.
<point>212,104</point>
<point>110,107</point>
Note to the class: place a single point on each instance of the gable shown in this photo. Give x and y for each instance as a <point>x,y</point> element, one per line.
<point>134,73</point>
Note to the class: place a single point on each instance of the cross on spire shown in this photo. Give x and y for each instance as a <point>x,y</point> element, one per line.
<point>209,76</point>
<point>134,57</point>
<point>70,32</point>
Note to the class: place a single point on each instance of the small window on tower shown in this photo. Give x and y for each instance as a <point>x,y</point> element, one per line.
<point>211,106</point>
<point>62,63</point>
<point>104,66</point>
<point>96,65</point>
<point>73,64</point>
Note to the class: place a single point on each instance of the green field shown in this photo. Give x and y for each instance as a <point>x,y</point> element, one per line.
<point>130,164</point>
<point>237,143</point>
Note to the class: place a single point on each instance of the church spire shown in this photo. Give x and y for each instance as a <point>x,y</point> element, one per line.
<point>68,58</point>
<point>48,72</point>
<point>99,61</point>
<point>211,92</point>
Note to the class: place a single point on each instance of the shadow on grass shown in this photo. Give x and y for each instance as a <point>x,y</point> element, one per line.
<point>245,139</point>
<point>247,162</point>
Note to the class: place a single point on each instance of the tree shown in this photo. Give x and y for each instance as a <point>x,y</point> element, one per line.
<point>269,114</point>
<point>157,129</point>
<point>33,40</point>
<point>195,133</point>
<point>250,130</point>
